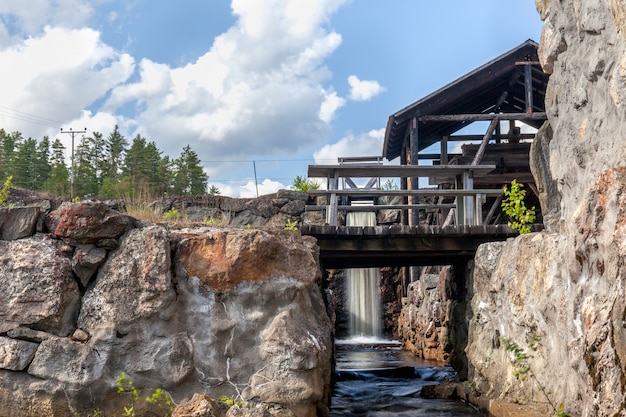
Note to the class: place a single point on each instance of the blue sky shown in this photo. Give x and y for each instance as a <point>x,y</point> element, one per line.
<point>283,83</point>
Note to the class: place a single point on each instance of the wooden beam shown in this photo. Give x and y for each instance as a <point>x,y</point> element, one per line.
<point>482,117</point>
<point>481,150</point>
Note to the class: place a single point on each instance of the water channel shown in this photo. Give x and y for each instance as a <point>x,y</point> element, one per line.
<point>376,378</point>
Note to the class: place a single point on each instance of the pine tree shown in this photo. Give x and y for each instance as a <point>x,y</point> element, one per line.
<point>115,147</point>
<point>85,174</point>
<point>58,180</point>
<point>9,144</point>
<point>189,176</point>
<point>25,168</point>
<point>44,168</point>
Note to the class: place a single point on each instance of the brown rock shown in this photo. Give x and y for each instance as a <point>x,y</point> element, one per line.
<point>222,259</point>
<point>87,222</point>
<point>199,405</point>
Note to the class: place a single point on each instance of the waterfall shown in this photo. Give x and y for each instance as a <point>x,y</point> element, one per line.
<point>363,291</point>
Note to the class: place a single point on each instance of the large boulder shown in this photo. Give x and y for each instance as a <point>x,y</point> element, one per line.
<point>252,304</point>
<point>18,222</point>
<point>134,283</point>
<point>37,288</point>
<point>87,222</point>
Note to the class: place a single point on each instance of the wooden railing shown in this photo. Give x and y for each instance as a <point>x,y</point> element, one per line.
<point>467,205</point>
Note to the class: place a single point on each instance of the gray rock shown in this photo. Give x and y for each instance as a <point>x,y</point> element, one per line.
<point>37,288</point>
<point>134,283</point>
<point>18,222</point>
<point>86,261</point>
<point>16,355</point>
<point>63,360</point>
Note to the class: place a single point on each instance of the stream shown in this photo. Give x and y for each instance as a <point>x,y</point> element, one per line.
<point>379,378</point>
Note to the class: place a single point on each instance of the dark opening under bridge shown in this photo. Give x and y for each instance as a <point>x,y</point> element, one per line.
<point>401,245</point>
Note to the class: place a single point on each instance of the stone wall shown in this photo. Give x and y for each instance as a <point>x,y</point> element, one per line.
<point>562,291</point>
<point>220,311</point>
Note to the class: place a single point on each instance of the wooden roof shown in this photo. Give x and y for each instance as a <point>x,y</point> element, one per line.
<point>500,80</point>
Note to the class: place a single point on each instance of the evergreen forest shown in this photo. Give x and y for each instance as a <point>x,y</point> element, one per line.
<point>103,167</point>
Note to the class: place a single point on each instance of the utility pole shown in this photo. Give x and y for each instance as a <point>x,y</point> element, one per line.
<point>72,132</point>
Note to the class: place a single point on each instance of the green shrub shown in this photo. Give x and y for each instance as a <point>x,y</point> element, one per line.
<point>513,206</point>
<point>305,184</point>
<point>171,215</point>
<point>291,225</point>
<point>5,191</point>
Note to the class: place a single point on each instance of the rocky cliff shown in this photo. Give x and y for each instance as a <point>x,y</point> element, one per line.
<point>220,311</point>
<point>559,296</point>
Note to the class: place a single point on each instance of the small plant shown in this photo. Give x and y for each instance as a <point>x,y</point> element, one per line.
<point>514,207</point>
<point>76,199</point>
<point>522,369</point>
<point>229,401</point>
<point>159,397</point>
<point>305,184</point>
<point>390,185</point>
<point>125,386</point>
<point>171,215</point>
<point>5,191</point>
<point>291,225</point>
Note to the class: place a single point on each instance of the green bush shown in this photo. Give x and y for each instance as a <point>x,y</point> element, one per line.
<point>513,206</point>
<point>305,184</point>
<point>5,191</point>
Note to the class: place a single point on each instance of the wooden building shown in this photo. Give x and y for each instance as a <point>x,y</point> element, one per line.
<point>510,88</point>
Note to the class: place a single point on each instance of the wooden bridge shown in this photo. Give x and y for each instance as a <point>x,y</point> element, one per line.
<point>399,245</point>
<point>452,241</point>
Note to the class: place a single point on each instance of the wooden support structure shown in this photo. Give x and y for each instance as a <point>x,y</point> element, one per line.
<point>482,117</point>
<point>468,205</point>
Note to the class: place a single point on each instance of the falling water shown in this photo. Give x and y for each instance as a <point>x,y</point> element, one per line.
<point>363,292</point>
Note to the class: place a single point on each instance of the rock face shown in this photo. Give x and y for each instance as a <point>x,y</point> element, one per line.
<point>432,319</point>
<point>219,311</point>
<point>562,291</point>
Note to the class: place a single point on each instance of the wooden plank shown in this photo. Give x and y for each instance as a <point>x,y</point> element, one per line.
<point>397,171</point>
<point>420,193</point>
<point>482,117</point>
<point>385,207</point>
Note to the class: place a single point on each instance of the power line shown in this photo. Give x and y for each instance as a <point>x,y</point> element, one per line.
<point>28,117</point>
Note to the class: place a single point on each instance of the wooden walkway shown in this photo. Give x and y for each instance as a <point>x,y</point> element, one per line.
<point>398,245</point>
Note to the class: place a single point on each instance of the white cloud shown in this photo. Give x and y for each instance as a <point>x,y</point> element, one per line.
<point>267,186</point>
<point>332,102</point>
<point>367,144</point>
<point>361,90</point>
<point>23,19</point>
<point>40,78</point>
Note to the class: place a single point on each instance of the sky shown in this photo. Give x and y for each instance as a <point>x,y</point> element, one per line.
<point>257,88</point>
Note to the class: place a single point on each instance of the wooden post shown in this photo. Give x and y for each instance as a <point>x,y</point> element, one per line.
<point>331,211</point>
<point>528,85</point>
<point>468,201</point>
<point>414,160</point>
<point>444,151</point>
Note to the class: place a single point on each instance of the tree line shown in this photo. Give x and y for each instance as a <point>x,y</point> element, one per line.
<point>103,167</point>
